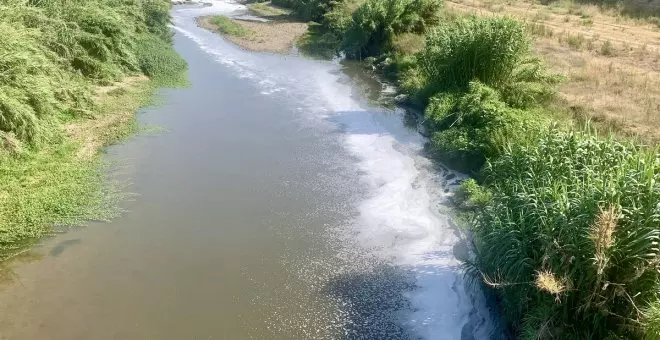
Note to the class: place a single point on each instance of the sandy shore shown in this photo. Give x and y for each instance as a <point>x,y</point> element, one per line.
<point>272,36</point>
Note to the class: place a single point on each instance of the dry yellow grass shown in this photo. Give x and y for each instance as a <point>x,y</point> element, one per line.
<point>548,282</point>
<point>611,63</point>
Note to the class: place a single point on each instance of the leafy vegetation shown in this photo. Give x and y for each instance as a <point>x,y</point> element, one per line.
<point>318,41</point>
<point>471,127</point>
<point>306,10</point>
<point>52,51</point>
<point>376,22</point>
<point>494,51</point>
<point>54,54</point>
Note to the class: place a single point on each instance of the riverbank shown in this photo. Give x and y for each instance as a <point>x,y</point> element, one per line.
<point>62,100</point>
<point>275,35</point>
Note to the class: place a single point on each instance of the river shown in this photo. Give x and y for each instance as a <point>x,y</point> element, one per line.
<point>282,202</point>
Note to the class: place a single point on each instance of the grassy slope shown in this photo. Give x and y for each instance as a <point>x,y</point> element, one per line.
<point>53,176</point>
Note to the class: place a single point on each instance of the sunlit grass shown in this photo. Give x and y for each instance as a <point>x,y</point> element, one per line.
<point>227,26</point>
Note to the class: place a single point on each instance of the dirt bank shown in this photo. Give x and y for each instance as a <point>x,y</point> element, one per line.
<point>272,36</point>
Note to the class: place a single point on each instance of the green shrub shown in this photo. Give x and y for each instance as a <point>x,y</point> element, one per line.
<point>312,10</point>
<point>338,18</point>
<point>408,43</point>
<point>307,10</point>
<point>376,22</point>
<point>529,85</point>
<point>157,18</point>
<point>487,50</point>
<point>29,82</point>
<point>471,127</point>
<point>493,51</point>
<point>470,195</point>
<point>569,241</point>
<point>319,42</point>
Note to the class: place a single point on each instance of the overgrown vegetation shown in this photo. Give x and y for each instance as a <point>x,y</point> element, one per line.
<point>568,235</point>
<point>375,23</point>
<point>53,56</point>
<point>480,95</point>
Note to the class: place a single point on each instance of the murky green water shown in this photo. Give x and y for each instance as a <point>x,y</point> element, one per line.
<point>279,205</point>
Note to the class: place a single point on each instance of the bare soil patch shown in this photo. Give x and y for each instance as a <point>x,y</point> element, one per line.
<point>272,36</point>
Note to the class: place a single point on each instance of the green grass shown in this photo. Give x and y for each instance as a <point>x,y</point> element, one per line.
<point>567,236</point>
<point>53,55</point>
<point>51,187</point>
<point>375,23</point>
<point>227,26</point>
<point>266,9</point>
<point>408,43</point>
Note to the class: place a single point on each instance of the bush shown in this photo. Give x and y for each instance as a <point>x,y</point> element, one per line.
<point>569,240</point>
<point>472,127</point>
<point>470,195</point>
<point>376,22</point>
<point>338,18</point>
<point>29,79</point>
<point>319,42</point>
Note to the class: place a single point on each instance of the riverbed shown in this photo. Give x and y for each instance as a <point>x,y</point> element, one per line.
<point>282,201</point>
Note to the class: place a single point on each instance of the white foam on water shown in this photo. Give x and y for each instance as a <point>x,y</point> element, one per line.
<point>400,219</point>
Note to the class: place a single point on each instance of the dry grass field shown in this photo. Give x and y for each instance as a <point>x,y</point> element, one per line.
<point>611,62</point>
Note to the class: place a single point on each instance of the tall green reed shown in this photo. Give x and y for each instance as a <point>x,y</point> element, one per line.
<point>569,240</point>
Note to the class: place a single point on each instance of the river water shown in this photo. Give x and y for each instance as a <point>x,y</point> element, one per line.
<point>283,202</point>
